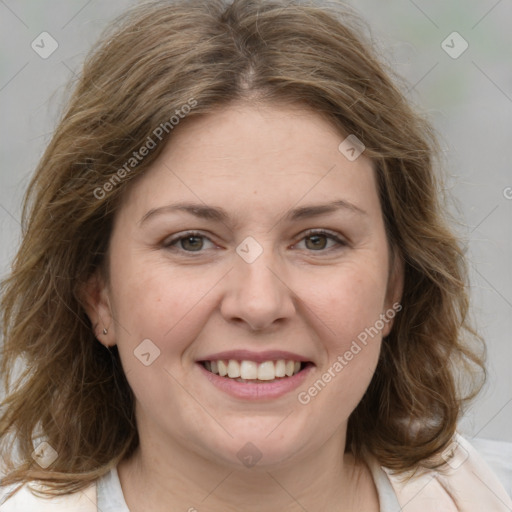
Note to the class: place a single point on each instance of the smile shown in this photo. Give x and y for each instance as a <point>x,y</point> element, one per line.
<point>251,371</point>
<point>270,387</point>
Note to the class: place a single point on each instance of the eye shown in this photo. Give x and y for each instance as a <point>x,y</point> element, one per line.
<point>192,241</point>
<point>318,240</point>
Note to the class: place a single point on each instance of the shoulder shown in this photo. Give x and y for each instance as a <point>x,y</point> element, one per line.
<point>470,481</point>
<point>498,455</point>
<point>25,501</point>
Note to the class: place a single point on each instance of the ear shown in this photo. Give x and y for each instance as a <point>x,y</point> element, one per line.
<point>394,292</point>
<point>96,302</point>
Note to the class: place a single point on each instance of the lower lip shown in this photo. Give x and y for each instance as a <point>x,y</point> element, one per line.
<point>253,391</point>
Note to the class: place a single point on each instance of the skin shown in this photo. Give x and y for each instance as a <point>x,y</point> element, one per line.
<point>305,295</point>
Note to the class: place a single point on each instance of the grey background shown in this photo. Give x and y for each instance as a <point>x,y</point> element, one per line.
<point>469,100</point>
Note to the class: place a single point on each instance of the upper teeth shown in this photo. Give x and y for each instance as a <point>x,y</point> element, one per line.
<point>268,370</point>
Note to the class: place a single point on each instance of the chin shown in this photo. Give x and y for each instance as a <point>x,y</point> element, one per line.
<point>257,448</point>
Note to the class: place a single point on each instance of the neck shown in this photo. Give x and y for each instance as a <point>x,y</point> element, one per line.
<point>159,478</point>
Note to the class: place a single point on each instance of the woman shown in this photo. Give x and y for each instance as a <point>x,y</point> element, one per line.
<point>236,289</point>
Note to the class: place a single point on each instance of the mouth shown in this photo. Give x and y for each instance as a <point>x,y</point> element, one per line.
<point>253,372</point>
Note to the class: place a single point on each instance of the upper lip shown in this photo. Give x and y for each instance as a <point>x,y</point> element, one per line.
<point>258,357</point>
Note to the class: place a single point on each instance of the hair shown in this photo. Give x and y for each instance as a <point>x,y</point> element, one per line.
<point>152,62</point>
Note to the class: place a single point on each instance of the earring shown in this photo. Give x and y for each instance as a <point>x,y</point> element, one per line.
<point>105,331</point>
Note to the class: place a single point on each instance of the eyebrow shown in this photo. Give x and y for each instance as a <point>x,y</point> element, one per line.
<point>218,214</point>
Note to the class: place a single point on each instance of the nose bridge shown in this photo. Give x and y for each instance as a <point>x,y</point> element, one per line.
<point>259,277</point>
<point>257,266</point>
<point>257,294</point>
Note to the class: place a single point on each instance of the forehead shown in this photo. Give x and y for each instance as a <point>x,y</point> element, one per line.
<point>264,158</point>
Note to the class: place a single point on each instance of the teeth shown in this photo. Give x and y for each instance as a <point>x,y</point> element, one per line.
<point>250,370</point>
<point>280,368</point>
<point>233,369</point>
<point>223,369</point>
<point>266,371</point>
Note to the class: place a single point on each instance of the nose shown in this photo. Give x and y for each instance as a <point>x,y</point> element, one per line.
<point>257,294</point>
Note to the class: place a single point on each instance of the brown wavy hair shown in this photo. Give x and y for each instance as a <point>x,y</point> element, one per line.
<point>154,59</point>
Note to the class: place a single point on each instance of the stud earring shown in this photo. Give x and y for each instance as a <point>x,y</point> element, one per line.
<point>105,331</point>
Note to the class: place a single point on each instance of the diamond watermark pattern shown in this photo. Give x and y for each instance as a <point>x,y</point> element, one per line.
<point>351,148</point>
<point>44,454</point>
<point>249,455</point>
<point>147,352</point>
<point>249,250</point>
<point>44,45</point>
<point>454,45</point>
<point>455,455</point>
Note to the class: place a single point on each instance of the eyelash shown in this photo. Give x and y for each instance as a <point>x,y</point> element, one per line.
<point>172,242</point>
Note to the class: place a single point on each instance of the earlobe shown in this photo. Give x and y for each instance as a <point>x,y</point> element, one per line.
<point>96,302</point>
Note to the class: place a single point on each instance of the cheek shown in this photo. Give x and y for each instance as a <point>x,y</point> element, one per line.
<point>147,293</point>
<point>351,307</point>
<point>166,305</point>
<point>352,302</point>
<point>152,303</point>
<point>352,354</point>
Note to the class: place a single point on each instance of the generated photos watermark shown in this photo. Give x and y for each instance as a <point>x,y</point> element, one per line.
<point>151,143</point>
<point>304,397</point>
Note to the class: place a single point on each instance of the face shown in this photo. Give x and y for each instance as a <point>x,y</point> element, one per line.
<point>284,257</point>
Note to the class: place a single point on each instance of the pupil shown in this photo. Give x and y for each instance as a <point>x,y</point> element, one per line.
<point>315,239</point>
<point>188,239</point>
